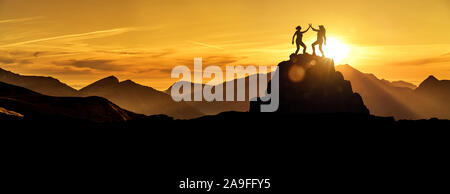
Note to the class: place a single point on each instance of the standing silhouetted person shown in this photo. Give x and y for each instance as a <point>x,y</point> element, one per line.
<point>299,40</point>
<point>320,39</point>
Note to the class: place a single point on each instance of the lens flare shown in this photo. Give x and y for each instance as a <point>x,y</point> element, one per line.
<point>296,73</point>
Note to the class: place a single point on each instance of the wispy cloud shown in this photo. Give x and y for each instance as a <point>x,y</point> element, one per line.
<point>94,64</point>
<point>19,20</point>
<point>60,71</point>
<point>13,57</point>
<point>146,53</point>
<point>217,60</point>
<point>73,37</point>
<point>6,60</point>
<point>425,61</point>
<point>205,45</point>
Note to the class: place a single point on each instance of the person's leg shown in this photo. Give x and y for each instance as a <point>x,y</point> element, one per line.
<point>304,47</point>
<point>298,48</point>
<point>314,49</point>
<point>320,48</point>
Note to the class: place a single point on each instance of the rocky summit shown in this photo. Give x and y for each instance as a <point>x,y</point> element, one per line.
<point>310,85</point>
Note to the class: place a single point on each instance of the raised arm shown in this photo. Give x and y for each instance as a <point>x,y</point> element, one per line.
<point>310,25</point>
<point>306,30</point>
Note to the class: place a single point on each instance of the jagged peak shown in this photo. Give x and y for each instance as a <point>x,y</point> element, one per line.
<point>107,81</point>
<point>429,82</point>
<point>347,68</point>
<point>346,65</point>
<point>431,78</point>
<point>112,77</point>
<point>128,81</point>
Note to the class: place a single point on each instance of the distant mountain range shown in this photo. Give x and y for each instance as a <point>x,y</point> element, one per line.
<point>400,99</point>
<point>139,98</point>
<point>126,94</point>
<point>18,101</point>
<point>216,107</point>
<point>44,85</point>
<point>131,96</point>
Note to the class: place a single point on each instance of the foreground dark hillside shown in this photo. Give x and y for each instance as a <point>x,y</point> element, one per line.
<point>344,152</point>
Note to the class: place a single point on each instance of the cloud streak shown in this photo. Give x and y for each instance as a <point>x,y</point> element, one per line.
<point>425,61</point>
<point>73,37</point>
<point>19,20</point>
<point>206,45</point>
<point>94,64</point>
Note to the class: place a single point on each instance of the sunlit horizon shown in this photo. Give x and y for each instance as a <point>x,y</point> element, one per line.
<point>79,42</point>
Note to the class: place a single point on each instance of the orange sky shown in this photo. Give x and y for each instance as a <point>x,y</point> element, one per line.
<point>80,41</point>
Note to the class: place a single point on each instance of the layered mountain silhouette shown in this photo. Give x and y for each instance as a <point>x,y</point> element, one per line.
<point>381,97</point>
<point>310,85</point>
<point>44,85</point>
<point>400,99</point>
<point>216,107</point>
<point>126,94</point>
<point>436,95</point>
<point>434,88</point>
<point>18,102</point>
<point>400,84</point>
<point>139,98</point>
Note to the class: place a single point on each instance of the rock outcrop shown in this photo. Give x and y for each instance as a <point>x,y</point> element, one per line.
<point>310,85</point>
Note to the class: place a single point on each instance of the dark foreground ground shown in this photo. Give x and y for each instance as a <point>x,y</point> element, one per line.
<point>298,153</point>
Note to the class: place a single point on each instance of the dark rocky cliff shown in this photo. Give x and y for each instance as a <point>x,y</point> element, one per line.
<point>310,85</point>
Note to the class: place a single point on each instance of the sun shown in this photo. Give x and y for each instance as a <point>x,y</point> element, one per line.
<point>336,50</point>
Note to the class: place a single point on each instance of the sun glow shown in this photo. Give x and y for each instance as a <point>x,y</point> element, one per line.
<point>336,50</point>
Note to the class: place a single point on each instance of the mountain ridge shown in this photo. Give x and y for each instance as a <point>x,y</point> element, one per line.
<point>216,107</point>
<point>126,94</point>
<point>36,106</point>
<point>385,99</point>
<point>139,98</point>
<point>47,85</point>
<point>397,94</point>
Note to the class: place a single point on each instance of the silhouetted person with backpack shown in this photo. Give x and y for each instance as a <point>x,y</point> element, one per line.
<point>299,40</point>
<point>320,39</point>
